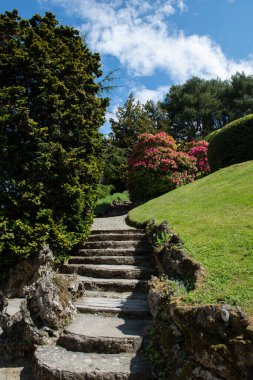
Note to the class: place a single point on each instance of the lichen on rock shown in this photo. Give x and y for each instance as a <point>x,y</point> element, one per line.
<point>46,308</point>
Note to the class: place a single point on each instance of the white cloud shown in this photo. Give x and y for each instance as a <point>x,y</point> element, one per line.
<point>143,94</point>
<point>141,36</point>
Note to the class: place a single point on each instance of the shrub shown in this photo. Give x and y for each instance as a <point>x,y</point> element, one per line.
<point>50,113</point>
<point>156,167</point>
<point>198,149</point>
<point>209,137</point>
<point>231,144</point>
<point>104,190</point>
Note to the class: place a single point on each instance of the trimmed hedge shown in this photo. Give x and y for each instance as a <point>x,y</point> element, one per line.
<point>231,144</point>
<point>209,137</point>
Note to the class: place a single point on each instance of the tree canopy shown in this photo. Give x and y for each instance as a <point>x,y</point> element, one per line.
<point>201,106</point>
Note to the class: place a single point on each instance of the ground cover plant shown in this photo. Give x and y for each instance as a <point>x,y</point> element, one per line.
<point>214,218</point>
<point>50,114</point>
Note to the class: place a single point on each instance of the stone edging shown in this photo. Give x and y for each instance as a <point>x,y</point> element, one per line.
<point>208,342</point>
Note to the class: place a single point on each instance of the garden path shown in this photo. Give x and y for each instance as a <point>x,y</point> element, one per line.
<point>105,340</point>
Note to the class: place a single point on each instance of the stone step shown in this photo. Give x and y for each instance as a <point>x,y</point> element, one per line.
<point>117,237</point>
<point>112,252</point>
<point>111,335</point>
<point>57,363</point>
<point>118,260</point>
<point>118,232</point>
<point>116,295</point>
<point>115,285</point>
<point>126,244</point>
<point>110,271</point>
<point>129,307</point>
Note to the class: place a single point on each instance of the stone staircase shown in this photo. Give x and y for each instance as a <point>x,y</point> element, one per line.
<point>106,338</point>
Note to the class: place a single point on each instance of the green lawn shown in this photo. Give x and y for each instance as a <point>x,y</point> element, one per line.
<point>103,204</point>
<point>214,216</point>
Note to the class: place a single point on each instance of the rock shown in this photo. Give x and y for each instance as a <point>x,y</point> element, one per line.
<point>20,335</point>
<point>158,290</point>
<point>3,303</point>
<point>45,310</point>
<point>224,315</point>
<point>202,374</point>
<point>26,272</point>
<point>49,302</point>
<point>171,257</point>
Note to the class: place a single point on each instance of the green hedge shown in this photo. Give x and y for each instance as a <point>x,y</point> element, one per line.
<point>231,144</point>
<point>209,137</point>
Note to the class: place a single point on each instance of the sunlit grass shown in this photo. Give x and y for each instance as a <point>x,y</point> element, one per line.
<point>214,216</point>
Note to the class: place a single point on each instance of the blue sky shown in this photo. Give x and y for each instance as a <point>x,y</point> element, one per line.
<point>155,44</point>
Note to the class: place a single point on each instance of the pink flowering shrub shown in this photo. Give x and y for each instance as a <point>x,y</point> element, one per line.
<point>198,149</point>
<point>155,166</point>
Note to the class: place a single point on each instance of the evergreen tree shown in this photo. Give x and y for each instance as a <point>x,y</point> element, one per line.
<point>195,108</point>
<point>50,113</point>
<point>115,169</point>
<point>201,106</point>
<point>135,118</point>
<point>238,97</point>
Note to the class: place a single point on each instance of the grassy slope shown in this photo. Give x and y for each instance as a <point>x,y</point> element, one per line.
<point>214,216</point>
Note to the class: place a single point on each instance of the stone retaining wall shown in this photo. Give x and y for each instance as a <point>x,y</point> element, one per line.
<point>194,342</point>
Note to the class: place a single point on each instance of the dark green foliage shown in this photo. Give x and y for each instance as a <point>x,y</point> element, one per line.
<point>232,144</point>
<point>50,112</point>
<point>115,168</point>
<point>209,137</point>
<point>238,97</point>
<point>135,118</point>
<point>104,190</point>
<point>201,106</point>
<point>195,108</point>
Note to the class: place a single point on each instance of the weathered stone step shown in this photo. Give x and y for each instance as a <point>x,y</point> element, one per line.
<point>111,335</point>
<point>129,307</point>
<point>110,271</point>
<point>117,295</point>
<point>118,232</point>
<point>118,237</point>
<point>125,244</point>
<point>57,363</point>
<point>112,252</point>
<point>118,260</point>
<point>116,285</point>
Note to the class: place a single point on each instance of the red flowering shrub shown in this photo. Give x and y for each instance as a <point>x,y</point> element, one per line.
<point>198,149</point>
<point>155,167</point>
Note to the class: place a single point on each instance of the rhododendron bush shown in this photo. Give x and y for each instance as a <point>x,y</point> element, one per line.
<point>156,166</point>
<point>198,149</point>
